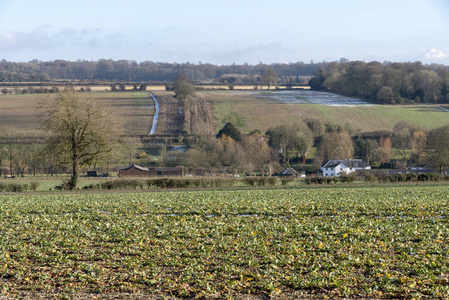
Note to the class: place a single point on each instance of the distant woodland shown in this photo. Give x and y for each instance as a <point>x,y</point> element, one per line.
<point>132,71</point>
<point>387,83</point>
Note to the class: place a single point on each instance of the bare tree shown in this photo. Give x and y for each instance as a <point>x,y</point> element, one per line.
<point>35,158</point>
<point>438,147</point>
<point>296,137</point>
<point>21,159</point>
<point>418,144</point>
<point>129,147</point>
<point>270,77</point>
<point>401,138</point>
<point>81,131</point>
<point>336,145</point>
<point>163,155</point>
<point>9,147</point>
<point>385,149</point>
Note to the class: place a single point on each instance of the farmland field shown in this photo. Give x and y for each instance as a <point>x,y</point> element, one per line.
<point>18,112</point>
<point>371,242</point>
<point>261,110</point>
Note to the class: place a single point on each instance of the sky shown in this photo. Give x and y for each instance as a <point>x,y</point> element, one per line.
<point>225,31</point>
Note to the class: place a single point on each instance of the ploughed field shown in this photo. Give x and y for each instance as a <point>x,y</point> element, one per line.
<point>134,110</point>
<point>261,110</point>
<point>337,242</point>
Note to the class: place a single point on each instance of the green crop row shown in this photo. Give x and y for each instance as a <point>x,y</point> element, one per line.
<point>355,242</point>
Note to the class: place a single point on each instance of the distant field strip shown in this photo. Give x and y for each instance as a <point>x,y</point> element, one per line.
<point>259,110</point>
<point>365,242</point>
<point>18,113</point>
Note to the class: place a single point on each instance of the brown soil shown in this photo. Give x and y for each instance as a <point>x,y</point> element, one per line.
<point>170,117</point>
<point>198,116</point>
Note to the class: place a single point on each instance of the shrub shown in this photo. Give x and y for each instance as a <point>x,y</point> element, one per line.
<point>369,178</point>
<point>382,177</point>
<point>262,181</point>
<point>17,187</point>
<point>348,178</point>
<point>434,176</point>
<point>285,180</point>
<point>92,187</point>
<point>272,181</point>
<point>64,186</point>
<point>429,177</point>
<point>251,181</point>
<point>121,184</point>
<point>34,185</point>
<point>411,177</point>
<point>195,182</point>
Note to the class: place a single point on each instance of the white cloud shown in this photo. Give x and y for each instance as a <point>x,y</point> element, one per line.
<point>436,54</point>
<point>250,54</point>
<point>7,39</point>
<point>44,38</point>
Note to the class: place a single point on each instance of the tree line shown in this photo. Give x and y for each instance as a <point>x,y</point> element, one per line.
<point>283,145</point>
<point>132,71</point>
<point>385,83</point>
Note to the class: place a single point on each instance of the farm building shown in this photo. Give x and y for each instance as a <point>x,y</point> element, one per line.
<point>92,174</point>
<point>288,172</point>
<point>335,167</point>
<point>138,171</point>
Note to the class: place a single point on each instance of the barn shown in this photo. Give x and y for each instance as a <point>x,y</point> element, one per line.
<point>138,171</point>
<point>134,171</point>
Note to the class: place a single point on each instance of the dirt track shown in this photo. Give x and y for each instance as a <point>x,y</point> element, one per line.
<point>170,118</point>
<point>192,116</point>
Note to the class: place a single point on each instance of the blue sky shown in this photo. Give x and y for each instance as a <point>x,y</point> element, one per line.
<point>225,32</point>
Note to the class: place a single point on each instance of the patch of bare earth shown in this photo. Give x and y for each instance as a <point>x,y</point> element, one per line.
<point>198,116</point>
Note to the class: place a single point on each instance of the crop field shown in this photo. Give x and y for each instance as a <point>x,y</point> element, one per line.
<point>248,87</point>
<point>365,242</point>
<point>136,109</point>
<point>262,110</point>
<point>107,88</point>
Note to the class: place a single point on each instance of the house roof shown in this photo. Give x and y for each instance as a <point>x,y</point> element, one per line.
<point>167,168</point>
<point>289,171</point>
<point>164,169</point>
<point>350,163</point>
<point>135,167</point>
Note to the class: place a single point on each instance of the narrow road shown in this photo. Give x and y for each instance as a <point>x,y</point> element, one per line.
<point>156,115</point>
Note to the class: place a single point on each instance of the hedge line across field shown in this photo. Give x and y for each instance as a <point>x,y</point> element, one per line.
<point>185,183</point>
<point>18,187</point>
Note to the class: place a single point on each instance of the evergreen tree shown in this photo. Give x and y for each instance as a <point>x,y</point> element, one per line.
<point>230,130</point>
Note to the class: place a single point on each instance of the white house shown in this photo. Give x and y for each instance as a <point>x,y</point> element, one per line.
<point>334,167</point>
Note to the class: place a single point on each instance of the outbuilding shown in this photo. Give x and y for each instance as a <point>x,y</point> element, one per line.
<point>288,172</point>
<point>133,170</point>
<point>138,171</point>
